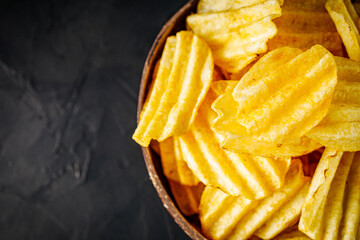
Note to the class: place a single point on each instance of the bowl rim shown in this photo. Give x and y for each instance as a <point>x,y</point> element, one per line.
<point>155,50</point>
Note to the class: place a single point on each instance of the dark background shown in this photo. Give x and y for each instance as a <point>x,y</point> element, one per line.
<point>69,78</point>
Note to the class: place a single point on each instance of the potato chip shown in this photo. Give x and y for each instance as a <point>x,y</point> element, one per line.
<point>207,6</point>
<point>187,197</point>
<point>338,216</point>
<point>340,129</point>
<point>351,216</point>
<point>323,210</point>
<point>294,148</point>
<point>184,76</point>
<point>285,103</point>
<point>346,27</point>
<point>226,123</point>
<point>320,185</point>
<point>251,176</point>
<point>224,216</point>
<point>173,164</point>
<point>237,36</point>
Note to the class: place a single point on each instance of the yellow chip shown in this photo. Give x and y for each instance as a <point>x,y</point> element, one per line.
<point>345,26</point>
<point>338,198</point>
<point>294,148</point>
<point>237,36</point>
<point>207,6</point>
<point>173,164</point>
<point>351,216</point>
<point>251,176</point>
<point>225,124</point>
<point>224,216</point>
<point>312,211</point>
<point>340,129</point>
<point>285,103</point>
<point>184,76</point>
<point>187,197</point>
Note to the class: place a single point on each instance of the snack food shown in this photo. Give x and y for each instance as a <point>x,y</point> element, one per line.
<point>224,216</point>
<point>173,164</point>
<point>332,206</point>
<point>344,16</point>
<point>235,32</point>
<point>237,174</point>
<point>176,93</point>
<point>293,98</point>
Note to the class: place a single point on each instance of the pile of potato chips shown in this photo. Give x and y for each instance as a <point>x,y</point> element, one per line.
<point>255,113</point>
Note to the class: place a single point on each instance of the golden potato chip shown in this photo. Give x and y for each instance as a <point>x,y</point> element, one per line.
<point>184,76</point>
<point>293,148</point>
<point>226,123</point>
<point>207,6</point>
<point>346,27</point>
<point>224,216</point>
<point>312,211</point>
<point>323,210</point>
<point>340,129</point>
<point>338,216</point>
<point>289,100</point>
<point>173,164</point>
<point>351,216</point>
<point>187,197</point>
<point>237,36</point>
<point>251,176</point>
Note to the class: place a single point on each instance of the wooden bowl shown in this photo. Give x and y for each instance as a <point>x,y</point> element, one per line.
<point>190,225</point>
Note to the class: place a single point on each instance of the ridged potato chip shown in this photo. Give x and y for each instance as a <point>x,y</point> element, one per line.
<point>283,104</point>
<point>345,25</point>
<point>303,29</point>
<point>333,203</point>
<point>225,124</point>
<point>251,176</point>
<point>340,129</point>
<point>224,216</point>
<point>187,197</point>
<point>236,36</point>
<point>173,164</point>
<point>184,76</point>
<point>226,106</point>
<point>312,211</point>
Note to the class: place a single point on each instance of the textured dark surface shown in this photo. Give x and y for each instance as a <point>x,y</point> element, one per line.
<point>69,78</point>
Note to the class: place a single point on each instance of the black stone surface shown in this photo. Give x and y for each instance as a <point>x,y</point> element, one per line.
<point>69,78</point>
